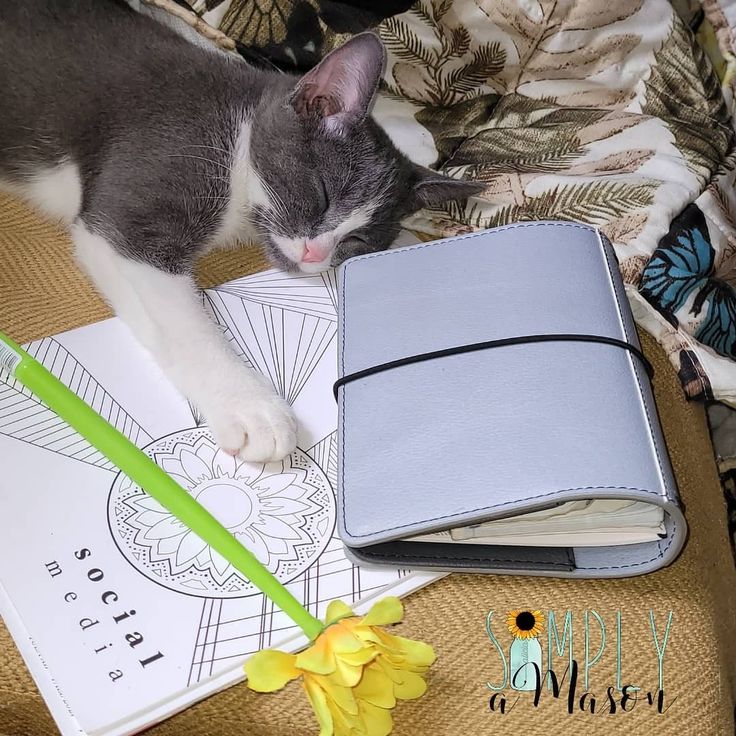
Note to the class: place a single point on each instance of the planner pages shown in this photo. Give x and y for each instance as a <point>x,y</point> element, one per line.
<point>123,616</point>
<point>589,523</point>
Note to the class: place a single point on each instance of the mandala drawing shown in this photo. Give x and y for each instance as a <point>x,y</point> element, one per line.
<point>282,512</point>
<point>284,326</point>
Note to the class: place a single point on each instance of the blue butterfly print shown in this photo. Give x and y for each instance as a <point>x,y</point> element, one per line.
<point>718,330</point>
<point>680,266</point>
<point>683,266</point>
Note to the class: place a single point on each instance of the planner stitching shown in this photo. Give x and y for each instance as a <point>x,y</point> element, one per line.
<point>636,373</point>
<point>469,236</point>
<point>436,244</point>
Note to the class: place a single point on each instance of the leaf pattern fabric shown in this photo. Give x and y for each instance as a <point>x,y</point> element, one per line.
<point>607,113</point>
<point>294,34</point>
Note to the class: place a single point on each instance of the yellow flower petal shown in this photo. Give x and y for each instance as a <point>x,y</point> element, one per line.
<point>335,640</point>
<point>338,695</point>
<point>337,610</point>
<point>376,688</point>
<point>353,672</point>
<point>318,658</point>
<point>346,673</point>
<point>412,686</point>
<point>346,724</point>
<point>416,653</point>
<point>386,611</point>
<point>377,721</point>
<point>270,670</point>
<point>342,638</point>
<point>388,669</point>
<point>361,657</point>
<point>321,709</point>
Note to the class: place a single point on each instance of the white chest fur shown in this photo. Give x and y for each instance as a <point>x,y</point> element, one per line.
<point>246,191</point>
<point>56,191</point>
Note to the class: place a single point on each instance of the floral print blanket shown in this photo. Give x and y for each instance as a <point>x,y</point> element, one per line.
<point>608,113</point>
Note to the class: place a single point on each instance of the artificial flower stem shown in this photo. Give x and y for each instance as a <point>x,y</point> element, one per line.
<point>150,477</point>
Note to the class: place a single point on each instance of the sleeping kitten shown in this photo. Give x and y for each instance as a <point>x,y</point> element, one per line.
<point>154,150</point>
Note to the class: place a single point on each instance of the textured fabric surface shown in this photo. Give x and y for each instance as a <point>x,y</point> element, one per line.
<point>41,293</point>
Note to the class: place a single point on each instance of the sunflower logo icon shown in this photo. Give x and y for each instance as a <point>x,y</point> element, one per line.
<point>525,655</point>
<point>525,624</point>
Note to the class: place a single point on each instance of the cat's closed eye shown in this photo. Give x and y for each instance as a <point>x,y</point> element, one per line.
<point>323,198</point>
<point>338,187</point>
<point>357,239</point>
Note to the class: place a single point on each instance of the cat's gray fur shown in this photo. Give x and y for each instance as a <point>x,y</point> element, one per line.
<point>151,120</point>
<point>151,132</point>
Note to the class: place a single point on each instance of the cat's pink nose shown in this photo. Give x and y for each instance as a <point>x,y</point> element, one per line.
<point>315,251</point>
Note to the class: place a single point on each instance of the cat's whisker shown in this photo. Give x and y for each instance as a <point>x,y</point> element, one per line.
<point>274,209</point>
<point>277,201</point>
<point>278,208</point>
<point>349,172</point>
<point>214,177</point>
<point>201,158</point>
<point>211,148</point>
<point>269,222</point>
<point>266,220</point>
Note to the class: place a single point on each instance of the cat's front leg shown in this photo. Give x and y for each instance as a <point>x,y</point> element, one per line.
<point>164,311</point>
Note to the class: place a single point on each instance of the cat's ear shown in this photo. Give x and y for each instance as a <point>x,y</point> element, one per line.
<point>432,189</point>
<point>341,88</point>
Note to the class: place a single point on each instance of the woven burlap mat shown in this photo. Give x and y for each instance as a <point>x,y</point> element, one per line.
<point>41,293</point>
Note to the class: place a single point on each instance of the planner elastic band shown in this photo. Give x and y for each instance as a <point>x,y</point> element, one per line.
<point>488,344</point>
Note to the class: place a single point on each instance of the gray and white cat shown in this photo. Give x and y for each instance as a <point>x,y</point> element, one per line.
<point>154,150</point>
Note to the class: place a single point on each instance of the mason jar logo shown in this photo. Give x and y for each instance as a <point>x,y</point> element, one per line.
<point>525,655</point>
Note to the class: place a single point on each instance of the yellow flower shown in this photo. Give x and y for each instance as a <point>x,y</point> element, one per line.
<point>525,624</point>
<point>353,673</point>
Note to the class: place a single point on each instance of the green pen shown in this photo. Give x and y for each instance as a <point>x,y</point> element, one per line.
<point>150,477</point>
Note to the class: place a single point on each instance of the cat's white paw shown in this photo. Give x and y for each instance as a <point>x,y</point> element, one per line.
<point>254,426</point>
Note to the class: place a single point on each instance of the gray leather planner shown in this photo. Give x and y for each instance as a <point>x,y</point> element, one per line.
<point>496,412</point>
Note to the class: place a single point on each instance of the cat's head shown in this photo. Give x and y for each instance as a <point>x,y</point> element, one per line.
<point>332,184</point>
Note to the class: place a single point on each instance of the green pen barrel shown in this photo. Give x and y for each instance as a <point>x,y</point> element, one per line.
<point>151,478</point>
